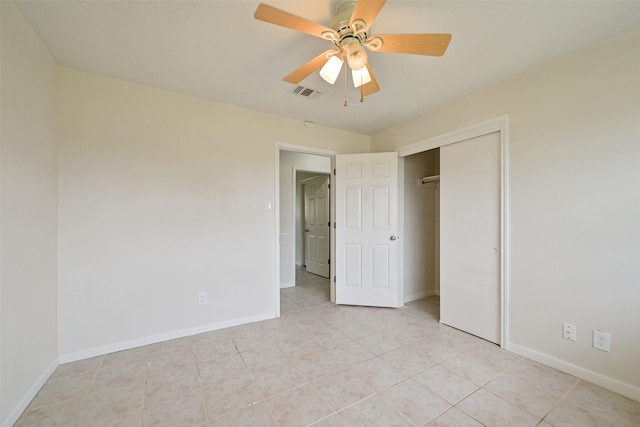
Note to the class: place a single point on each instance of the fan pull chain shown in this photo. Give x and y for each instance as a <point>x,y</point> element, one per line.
<point>345,86</point>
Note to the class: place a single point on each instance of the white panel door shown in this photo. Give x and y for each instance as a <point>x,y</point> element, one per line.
<point>367,230</point>
<point>470,236</point>
<point>316,220</point>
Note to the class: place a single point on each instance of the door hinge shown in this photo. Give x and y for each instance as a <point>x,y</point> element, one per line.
<point>329,223</point>
<point>329,186</point>
<point>334,171</point>
<point>334,279</point>
<point>329,262</point>
<point>334,225</point>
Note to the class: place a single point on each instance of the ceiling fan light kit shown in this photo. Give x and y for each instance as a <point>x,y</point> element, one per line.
<point>331,70</point>
<point>350,35</point>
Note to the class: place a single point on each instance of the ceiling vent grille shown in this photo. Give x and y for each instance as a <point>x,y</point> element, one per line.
<point>305,92</point>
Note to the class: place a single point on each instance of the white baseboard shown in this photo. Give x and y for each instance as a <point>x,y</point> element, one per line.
<point>139,342</point>
<point>417,296</point>
<point>287,285</point>
<point>31,393</point>
<point>624,389</point>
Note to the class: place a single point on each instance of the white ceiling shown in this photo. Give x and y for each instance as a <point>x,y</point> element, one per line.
<point>217,50</point>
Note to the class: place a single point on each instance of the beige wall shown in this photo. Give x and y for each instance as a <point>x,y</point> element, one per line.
<point>574,204</point>
<point>163,196</point>
<point>29,306</point>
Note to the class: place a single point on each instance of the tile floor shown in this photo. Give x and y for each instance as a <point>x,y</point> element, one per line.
<point>324,365</point>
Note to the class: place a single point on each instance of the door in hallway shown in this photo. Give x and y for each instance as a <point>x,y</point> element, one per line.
<point>316,221</point>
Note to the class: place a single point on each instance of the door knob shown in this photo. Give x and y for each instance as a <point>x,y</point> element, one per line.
<point>392,238</point>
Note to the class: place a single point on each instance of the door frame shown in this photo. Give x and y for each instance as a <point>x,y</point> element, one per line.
<point>499,124</point>
<point>281,146</point>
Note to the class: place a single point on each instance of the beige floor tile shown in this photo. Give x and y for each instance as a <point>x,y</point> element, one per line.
<point>342,389</point>
<point>215,350</point>
<point>406,361</point>
<point>169,346</point>
<point>250,340</point>
<point>454,418</point>
<point>494,411</point>
<point>437,347</point>
<point>112,402</point>
<point>176,359</point>
<point>121,366</point>
<point>300,406</point>
<point>522,394</point>
<point>126,356</point>
<point>606,404</point>
<point>317,365</point>
<point>264,357</point>
<point>451,387</point>
<point>62,414</point>
<point>221,401</point>
<point>566,415</point>
<point>412,332</point>
<point>379,344</point>
<point>329,337</point>
<point>378,374</point>
<point>548,379</point>
<point>211,337</point>
<point>113,377</point>
<point>230,376</point>
<point>331,421</point>
<point>74,368</point>
<point>126,418</point>
<point>354,329</point>
<point>350,352</point>
<point>185,409</point>
<point>298,347</point>
<point>55,391</point>
<point>170,383</point>
<point>415,402</point>
<point>472,368</point>
<point>372,412</point>
<point>276,379</point>
<point>250,416</point>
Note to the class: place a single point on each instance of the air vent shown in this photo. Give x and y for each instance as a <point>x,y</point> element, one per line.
<point>305,92</point>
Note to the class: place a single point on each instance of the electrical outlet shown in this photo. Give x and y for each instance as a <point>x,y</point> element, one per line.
<point>569,331</point>
<point>601,340</point>
<point>202,298</point>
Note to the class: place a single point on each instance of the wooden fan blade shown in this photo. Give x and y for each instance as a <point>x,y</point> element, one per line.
<point>367,10</point>
<point>304,71</point>
<point>371,87</point>
<point>418,44</point>
<point>272,15</point>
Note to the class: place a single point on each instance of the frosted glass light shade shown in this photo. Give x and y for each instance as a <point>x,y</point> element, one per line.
<point>331,70</point>
<point>361,76</point>
<point>356,56</point>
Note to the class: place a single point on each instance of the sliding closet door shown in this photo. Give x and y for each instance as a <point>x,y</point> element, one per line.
<point>470,236</point>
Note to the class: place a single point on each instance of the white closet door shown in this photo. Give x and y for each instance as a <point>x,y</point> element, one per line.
<point>470,236</point>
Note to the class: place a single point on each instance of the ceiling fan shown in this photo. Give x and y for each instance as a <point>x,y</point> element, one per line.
<point>350,35</point>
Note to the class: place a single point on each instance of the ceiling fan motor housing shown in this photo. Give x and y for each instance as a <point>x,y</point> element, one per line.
<point>349,40</point>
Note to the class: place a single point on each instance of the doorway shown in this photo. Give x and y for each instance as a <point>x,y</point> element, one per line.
<point>296,164</point>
